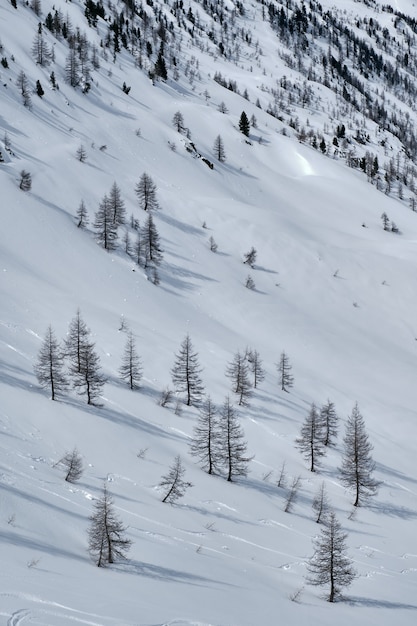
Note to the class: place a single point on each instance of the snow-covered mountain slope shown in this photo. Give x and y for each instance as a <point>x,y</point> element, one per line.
<point>333,289</point>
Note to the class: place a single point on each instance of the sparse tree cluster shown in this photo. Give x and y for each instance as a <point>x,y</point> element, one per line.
<point>76,362</point>
<point>218,440</point>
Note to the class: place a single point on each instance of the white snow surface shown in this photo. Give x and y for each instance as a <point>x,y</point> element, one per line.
<point>333,290</point>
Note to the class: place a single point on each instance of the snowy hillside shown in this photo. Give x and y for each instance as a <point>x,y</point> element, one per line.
<point>332,289</point>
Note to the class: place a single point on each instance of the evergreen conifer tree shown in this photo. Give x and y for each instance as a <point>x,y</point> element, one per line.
<point>244,124</point>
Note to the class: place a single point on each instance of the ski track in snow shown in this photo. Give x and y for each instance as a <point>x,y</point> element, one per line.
<point>52,612</point>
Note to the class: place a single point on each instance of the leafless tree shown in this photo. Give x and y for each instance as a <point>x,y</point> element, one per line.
<point>131,368</point>
<point>49,368</point>
<point>321,503</point>
<point>146,193</point>
<point>186,373</point>
<point>106,535</point>
<point>357,467</point>
<point>72,464</point>
<point>238,372</point>
<point>330,421</point>
<point>285,380</point>
<point>310,442</point>
<point>330,564</point>
<point>174,482</point>
<point>205,440</point>
<point>232,445</point>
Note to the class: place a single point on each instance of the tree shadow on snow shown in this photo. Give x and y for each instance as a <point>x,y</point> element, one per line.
<point>183,226</point>
<point>38,545</point>
<point>379,604</point>
<point>127,419</point>
<point>166,574</point>
<point>385,469</point>
<point>10,375</point>
<point>390,509</point>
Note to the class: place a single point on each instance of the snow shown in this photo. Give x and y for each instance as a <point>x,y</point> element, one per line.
<point>339,297</point>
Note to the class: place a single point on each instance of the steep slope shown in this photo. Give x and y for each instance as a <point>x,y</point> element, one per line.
<point>333,289</point>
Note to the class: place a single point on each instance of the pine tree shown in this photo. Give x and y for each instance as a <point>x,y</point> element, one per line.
<point>82,215</point>
<point>213,244</point>
<point>329,564</point>
<point>250,283</point>
<point>160,68</point>
<point>255,364</point>
<point>178,121</point>
<point>81,154</point>
<point>218,149</point>
<point>238,371</point>
<point>186,373</point>
<point>117,205</point>
<point>131,368</point>
<point>244,125</point>
<point>385,221</point>
<point>311,438</point>
<point>174,482</point>
<point>25,183</point>
<point>106,229</point>
<point>232,446</point>
<point>204,442</point>
<point>146,193</point>
<point>106,535</point>
<point>150,246</point>
<point>330,421</point>
<point>284,367</point>
<point>39,89</point>
<point>49,368</point>
<point>72,464</point>
<point>321,503</point>
<point>357,463</point>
